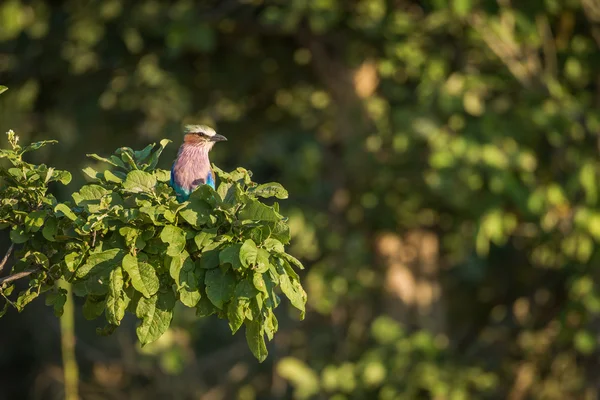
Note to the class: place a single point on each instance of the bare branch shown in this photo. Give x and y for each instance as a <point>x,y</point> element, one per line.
<point>8,253</point>
<point>17,276</point>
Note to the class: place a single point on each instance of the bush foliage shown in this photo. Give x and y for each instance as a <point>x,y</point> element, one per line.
<point>127,245</point>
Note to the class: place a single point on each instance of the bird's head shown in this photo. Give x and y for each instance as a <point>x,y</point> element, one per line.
<point>201,135</point>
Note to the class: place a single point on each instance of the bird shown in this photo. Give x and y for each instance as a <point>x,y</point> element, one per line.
<point>192,167</point>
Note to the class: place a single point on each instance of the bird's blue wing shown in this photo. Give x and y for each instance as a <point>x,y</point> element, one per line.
<point>210,179</point>
<point>181,194</point>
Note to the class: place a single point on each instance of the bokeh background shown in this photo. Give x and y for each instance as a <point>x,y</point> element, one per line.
<point>442,159</point>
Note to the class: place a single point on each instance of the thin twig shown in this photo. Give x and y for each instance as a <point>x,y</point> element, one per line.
<point>8,253</point>
<point>17,276</point>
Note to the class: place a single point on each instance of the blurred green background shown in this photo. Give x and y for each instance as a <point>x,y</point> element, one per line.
<point>442,163</point>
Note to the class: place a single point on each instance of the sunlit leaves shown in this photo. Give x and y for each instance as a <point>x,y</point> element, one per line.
<point>115,299</point>
<point>248,253</point>
<point>293,291</point>
<point>175,238</point>
<point>272,189</point>
<point>156,314</point>
<point>182,270</point>
<point>127,244</point>
<point>143,275</point>
<point>236,314</point>
<point>139,182</point>
<point>257,211</point>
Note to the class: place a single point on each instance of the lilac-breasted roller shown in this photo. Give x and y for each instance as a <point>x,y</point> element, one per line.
<point>192,168</point>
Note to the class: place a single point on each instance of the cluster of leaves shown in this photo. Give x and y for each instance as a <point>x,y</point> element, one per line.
<point>126,244</point>
<point>29,211</point>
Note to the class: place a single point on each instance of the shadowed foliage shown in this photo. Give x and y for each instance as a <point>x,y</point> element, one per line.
<point>442,163</point>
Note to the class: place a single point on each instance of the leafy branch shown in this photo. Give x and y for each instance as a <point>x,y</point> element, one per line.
<point>127,245</point>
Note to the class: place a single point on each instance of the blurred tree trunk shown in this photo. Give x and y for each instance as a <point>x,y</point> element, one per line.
<point>413,293</point>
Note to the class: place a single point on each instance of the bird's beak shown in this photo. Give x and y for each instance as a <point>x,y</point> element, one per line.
<point>218,138</point>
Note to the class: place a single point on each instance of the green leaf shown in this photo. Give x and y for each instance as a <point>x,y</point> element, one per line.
<point>259,282</point>
<point>89,193</point>
<point>182,270</point>
<point>106,160</point>
<point>139,182</point>
<point>292,260</point>
<point>205,308</point>
<point>63,210</point>
<point>205,193</point>
<point>209,259</point>
<point>57,299</point>
<point>143,276</point>
<point>196,212</point>
<point>115,300</point>
<point>50,229</point>
<point>205,237</point>
<point>130,234</point>
<point>256,211</point>
<point>282,264</point>
<point>248,253</point>
<point>293,291</point>
<point>25,298</point>
<point>63,177</point>
<point>256,340</point>
<point>262,261</point>
<point>271,324</point>
<point>35,220</point>
<point>175,238</point>
<point>189,298</point>
<point>231,255</point>
<point>110,177</point>
<point>100,263</point>
<point>141,155</point>
<point>274,245</point>
<point>153,161</point>
<point>272,189</point>
<point>127,157</point>
<point>245,290</point>
<point>3,89</point>
<point>236,314</point>
<point>162,175</point>
<point>281,231</point>
<point>230,193</point>
<point>72,260</point>
<point>220,286</point>
<point>93,308</point>
<point>91,172</point>
<point>38,145</point>
<point>18,235</point>
<point>156,314</point>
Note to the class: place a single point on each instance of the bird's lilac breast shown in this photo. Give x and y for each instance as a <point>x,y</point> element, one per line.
<point>190,169</point>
